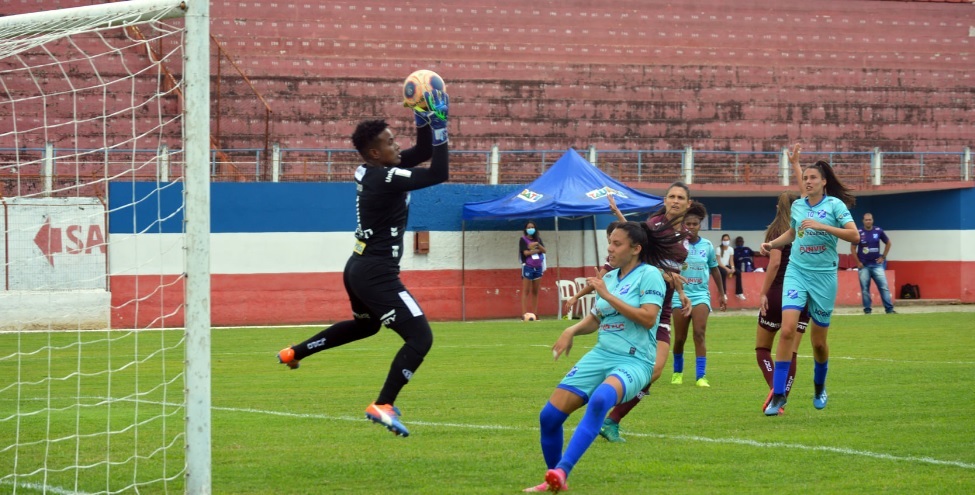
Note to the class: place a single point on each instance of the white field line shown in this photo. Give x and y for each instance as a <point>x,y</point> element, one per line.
<point>683,438</point>
<point>42,488</point>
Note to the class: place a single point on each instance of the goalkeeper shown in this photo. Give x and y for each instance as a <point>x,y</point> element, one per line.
<point>371,277</point>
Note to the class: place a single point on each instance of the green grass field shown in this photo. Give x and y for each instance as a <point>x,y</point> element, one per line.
<point>901,416</point>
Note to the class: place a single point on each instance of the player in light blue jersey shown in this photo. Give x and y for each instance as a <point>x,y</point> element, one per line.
<point>626,314</point>
<point>700,265</point>
<point>817,221</point>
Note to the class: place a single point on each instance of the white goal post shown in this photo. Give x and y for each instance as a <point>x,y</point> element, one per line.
<point>104,240</point>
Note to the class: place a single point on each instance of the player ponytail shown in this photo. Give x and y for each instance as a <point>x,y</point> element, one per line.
<point>658,244</point>
<point>783,210</point>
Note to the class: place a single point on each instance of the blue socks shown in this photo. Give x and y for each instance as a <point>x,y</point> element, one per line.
<point>781,376</point>
<point>602,400</point>
<point>819,374</point>
<point>678,363</point>
<point>550,422</point>
<point>701,364</point>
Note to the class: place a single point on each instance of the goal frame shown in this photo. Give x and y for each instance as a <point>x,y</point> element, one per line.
<point>196,146</point>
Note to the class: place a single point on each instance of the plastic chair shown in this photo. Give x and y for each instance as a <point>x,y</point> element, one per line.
<point>580,283</point>
<point>567,289</point>
<point>585,304</point>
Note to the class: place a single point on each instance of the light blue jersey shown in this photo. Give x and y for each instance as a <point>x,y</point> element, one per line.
<point>697,269</point>
<point>617,334</point>
<point>815,250</point>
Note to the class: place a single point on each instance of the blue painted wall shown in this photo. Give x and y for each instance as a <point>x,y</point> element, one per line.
<point>330,207</point>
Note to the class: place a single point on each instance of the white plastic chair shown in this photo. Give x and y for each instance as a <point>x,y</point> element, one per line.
<point>585,304</point>
<point>567,289</point>
<point>586,301</point>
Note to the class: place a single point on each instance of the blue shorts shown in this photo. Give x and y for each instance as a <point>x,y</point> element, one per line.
<point>530,272</point>
<point>598,365</point>
<point>815,291</point>
<point>695,300</point>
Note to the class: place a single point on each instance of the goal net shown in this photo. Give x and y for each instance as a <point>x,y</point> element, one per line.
<point>104,218</point>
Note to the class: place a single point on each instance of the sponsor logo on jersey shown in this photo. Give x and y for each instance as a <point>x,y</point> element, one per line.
<point>817,249</point>
<point>822,313</point>
<point>612,327</point>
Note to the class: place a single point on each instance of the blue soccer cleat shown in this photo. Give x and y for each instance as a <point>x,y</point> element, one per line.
<point>388,416</point>
<point>776,406</point>
<point>819,399</point>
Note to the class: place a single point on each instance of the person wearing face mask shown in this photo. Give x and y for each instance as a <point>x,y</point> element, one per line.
<point>531,249</point>
<point>726,263</point>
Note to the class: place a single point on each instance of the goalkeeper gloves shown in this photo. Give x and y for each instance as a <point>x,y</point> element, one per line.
<point>422,117</point>
<point>437,102</point>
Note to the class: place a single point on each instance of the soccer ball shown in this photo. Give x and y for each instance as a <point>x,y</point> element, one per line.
<point>417,83</point>
<point>529,317</point>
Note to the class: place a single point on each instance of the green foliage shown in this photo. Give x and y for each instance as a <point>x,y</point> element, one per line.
<point>899,420</point>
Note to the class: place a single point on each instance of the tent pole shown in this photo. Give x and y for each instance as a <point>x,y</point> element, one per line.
<point>558,265</point>
<point>463,271</point>
<point>595,243</point>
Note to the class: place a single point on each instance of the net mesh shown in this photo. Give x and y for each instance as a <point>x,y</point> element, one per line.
<point>91,384</point>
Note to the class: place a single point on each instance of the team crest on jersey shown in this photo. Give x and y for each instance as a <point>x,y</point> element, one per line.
<point>572,371</point>
<point>602,192</point>
<point>530,196</point>
<point>801,233</point>
<point>624,289</point>
<point>792,294</point>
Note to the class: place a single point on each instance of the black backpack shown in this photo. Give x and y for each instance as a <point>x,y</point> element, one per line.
<point>910,291</point>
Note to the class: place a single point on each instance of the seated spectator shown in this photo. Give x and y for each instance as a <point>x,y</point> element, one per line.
<point>743,263</point>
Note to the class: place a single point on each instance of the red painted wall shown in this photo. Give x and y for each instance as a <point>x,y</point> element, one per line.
<point>308,298</point>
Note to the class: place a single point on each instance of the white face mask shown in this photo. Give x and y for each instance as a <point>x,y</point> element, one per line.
<point>725,243</point>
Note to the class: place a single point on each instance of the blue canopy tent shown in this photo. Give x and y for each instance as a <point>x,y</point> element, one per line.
<point>571,188</point>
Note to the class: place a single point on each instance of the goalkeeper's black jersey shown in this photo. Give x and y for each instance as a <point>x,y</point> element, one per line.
<point>382,203</point>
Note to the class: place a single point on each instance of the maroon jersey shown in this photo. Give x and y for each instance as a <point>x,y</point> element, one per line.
<point>656,222</point>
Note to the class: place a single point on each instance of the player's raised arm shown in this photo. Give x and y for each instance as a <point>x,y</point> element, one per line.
<point>404,179</point>
<point>793,155</point>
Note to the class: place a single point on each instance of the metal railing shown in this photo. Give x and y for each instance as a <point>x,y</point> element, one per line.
<point>74,172</point>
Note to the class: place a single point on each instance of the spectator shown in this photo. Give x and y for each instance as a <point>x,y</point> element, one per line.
<point>872,264</point>
<point>726,263</point>
<point>743,263</point>
<point>532,252</point>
